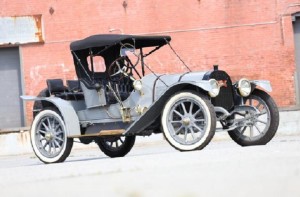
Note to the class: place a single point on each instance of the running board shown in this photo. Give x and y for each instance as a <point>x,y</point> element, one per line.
<point>101,133</point>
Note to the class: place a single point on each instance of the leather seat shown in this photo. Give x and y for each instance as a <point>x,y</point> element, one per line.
<point>56,87</point>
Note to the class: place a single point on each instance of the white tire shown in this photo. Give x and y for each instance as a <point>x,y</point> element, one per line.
<point>49,137</point>
<point>188,121</point>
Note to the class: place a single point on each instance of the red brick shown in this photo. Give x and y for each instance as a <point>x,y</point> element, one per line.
<point>204,33</point>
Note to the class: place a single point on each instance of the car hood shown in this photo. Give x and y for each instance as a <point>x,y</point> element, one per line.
<point>169,79</point>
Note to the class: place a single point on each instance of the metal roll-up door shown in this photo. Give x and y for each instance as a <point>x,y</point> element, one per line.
<point>296,25</point>
<point>11,106</point>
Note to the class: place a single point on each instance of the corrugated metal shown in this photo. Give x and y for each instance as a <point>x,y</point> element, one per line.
<point>297,55</point>
<point>21,30</point>
<point>11,106</point>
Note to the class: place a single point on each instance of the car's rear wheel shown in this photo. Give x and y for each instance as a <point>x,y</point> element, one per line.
<point>49,137</point>
<point>115,146</point>
<point>261,126</point>
<point>188,121</point>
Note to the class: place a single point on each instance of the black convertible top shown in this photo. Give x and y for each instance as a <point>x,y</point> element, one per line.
<point>104,40</point>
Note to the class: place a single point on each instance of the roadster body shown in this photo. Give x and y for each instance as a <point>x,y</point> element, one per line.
<point>112,106</point>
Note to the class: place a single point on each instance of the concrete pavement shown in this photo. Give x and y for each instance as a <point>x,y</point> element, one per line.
<point>155,169</point>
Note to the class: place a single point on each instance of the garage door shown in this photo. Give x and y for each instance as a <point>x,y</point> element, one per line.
<point>296,24</point>
<point>11,109</point>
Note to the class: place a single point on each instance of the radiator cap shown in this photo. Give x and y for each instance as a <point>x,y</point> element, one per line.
<point>216,67</point>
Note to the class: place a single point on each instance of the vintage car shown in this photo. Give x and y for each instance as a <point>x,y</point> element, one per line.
<point>113,106</point>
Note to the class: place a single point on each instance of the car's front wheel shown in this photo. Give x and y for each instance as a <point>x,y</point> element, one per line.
<point>188,121</point>
<point>115,146</point>
<point>49,137</point>
<point>261,126</point>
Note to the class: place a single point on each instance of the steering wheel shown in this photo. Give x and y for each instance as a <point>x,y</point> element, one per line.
<point>121,67</point>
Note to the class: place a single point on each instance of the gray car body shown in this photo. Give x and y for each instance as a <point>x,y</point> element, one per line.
<point>156,89</point>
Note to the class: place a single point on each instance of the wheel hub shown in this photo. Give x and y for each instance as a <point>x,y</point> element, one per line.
<point>186,121</point>
<point>251,119</point>
<point>49,136</point>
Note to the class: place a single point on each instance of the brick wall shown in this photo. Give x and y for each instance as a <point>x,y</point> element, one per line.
<point>252,39</point>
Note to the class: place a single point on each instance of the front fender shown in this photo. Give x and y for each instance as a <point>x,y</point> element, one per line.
<point>66,109</point>
<point>203,84</point>
<point>154,111</point>
<point>264,84</point>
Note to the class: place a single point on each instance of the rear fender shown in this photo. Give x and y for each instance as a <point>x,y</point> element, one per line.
<point>66,109</point>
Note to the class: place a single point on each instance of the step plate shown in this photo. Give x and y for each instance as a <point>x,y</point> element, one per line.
<point>101,133</point>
